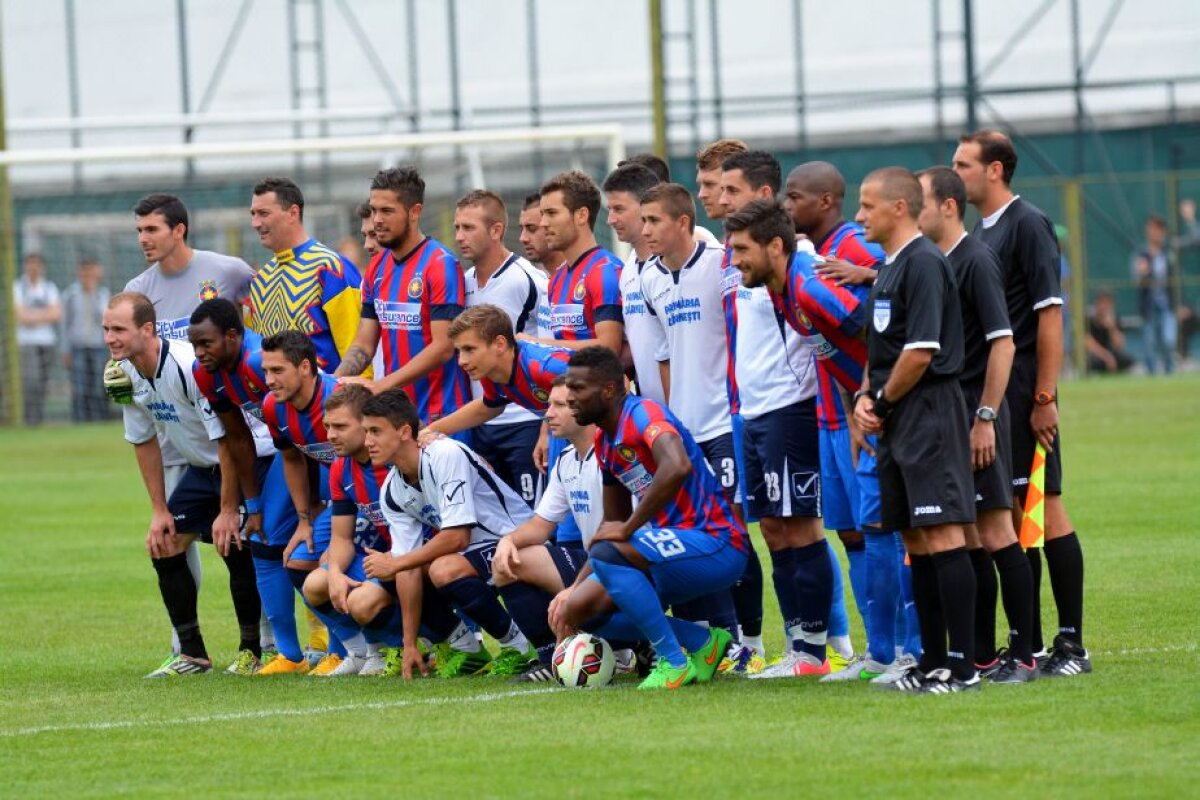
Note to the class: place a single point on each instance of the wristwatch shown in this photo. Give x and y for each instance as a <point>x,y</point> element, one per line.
<point>1044,398</point>
<point>986,414</point>
<point>882,407</point>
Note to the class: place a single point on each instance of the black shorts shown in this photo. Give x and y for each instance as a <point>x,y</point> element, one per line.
<point>196,500</point>
<point>924,460</point>
<point>720,455</point>
<point>783,462</point>
<point>509,450</point>
<point>993,483</point>
<point>480,557</point>
<point>1022,386</point>
<point>567,560</point>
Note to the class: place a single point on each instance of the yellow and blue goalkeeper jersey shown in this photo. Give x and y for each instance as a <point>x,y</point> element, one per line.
<point>311,288</point>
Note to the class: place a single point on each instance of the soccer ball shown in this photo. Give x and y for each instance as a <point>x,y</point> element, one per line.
<point>583,660</point>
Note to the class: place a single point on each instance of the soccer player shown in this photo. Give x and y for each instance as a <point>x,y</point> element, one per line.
<point>357,526</point>
<point>529,569</point>
<point>177,279</point>
<point>366,229</point>
<point>660,168</point>
<point>680,542</point>
<point>502,279</point>
<point>166,403</point>
<point>305,285</point>
<point>410,296</point>
<point>647,343</point>
<point>708,174</point>
<point>533,237</point>
<point>294,413</point>
<point>228,372</point>
<point>446,488</point>
<point>584,293</point>
<point>988,354</point>
<point>813,197</point>
<point>911,396</point>
<point>1023,239</point>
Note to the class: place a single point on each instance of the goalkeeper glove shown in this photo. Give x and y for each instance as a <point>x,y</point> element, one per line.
<point>117,384</point>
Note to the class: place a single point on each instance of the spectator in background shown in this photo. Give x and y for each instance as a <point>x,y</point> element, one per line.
<point>84,352</point>
<point>1152,273</point>
<point>38,312</point>
<point>1189,237</point>
<point>1105,341</point>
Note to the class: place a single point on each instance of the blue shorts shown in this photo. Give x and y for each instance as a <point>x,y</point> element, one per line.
<point>279,515</point>
<point>722,458</point>
<point>739,455</point>
<point>480,557</point>
<point>839,484</point>
<point>509,449</point>
<point>869,514</point>
<point>687,563</point>
<point>356,572</point>
<point>783,462</point>
<point>322,533</point>
<point>567,532</point>
<point>196,501</point>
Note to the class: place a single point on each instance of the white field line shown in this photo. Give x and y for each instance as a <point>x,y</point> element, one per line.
<point>489,697</point>
<point>267,713</point>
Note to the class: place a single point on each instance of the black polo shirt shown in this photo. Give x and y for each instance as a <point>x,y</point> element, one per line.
<point>1022,237</point>
<point>984,311</point>
<point>914,305</point>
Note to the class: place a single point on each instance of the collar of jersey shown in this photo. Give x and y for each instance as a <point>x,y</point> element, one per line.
<point>410,253</point>
<point>164,352</point>
<point>994,217</point>
<point>695,256</point>
<point>583,256</point>
<point>832,232</point>
<point>890,259</point>
<point>956,244</point>
<point>290,255</point>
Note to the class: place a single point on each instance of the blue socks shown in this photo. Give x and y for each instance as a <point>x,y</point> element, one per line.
<point>477,600</point>
<point>883,595</point>
<point>529,607</point>
<point>907,608</point>
<point>856,554</point>
<point>634,595</point>
<point>279,603</point>
<point>839,620</point>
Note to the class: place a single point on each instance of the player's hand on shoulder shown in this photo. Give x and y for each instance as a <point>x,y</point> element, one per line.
<point>427,437</point>
<point>361,381</point>
<point>843,272</point>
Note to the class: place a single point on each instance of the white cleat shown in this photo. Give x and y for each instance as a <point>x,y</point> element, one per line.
<point>375,664</point>
<point>351,665</point>
<point>862,668</point>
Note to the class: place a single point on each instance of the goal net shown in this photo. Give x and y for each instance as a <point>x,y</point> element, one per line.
<point>75,205</point>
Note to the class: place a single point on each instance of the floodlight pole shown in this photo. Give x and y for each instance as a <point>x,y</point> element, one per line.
<point>10,412</point>
<point>658,91</point>
<point>971,85</point>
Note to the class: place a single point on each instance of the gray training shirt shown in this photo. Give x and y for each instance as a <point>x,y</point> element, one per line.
<point>175,297</point>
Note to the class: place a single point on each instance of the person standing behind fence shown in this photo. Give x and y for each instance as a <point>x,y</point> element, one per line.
<point>1152,272</point>
<point>84,353</point>
<point>38,312</point>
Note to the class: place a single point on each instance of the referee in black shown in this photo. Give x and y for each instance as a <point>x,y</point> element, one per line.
<point>1023,239</point>
<point>987,361</point>
<point>910,396</point>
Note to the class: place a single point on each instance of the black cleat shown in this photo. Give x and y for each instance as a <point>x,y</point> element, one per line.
<point>538,673</point>
<point>911,681</point>
<point>1067,659</point>
<point>1012,670</point>
<point>943,681</point>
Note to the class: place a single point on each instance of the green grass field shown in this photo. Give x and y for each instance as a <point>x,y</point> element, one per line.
<point>81,621</point>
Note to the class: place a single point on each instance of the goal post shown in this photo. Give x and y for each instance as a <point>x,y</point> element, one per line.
<point>74,204</point>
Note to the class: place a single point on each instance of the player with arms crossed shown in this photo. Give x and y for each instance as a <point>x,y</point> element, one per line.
<point>446,488</point>
<point>1023,239</point>
<point>987,362</point>
<point>681,541</point>
<point>166,403</point>
<point>503,279</point>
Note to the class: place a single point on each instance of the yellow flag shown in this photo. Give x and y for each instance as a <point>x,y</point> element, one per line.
<point>1033,523</point>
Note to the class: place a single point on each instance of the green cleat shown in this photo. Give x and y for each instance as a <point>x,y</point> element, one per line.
<point>179,665</point>
<point>510,662</point>
<point>393,662</point>
<point>452,663</point>
<point>664,676</point>
<point>707,659</point>
<point>246,663</point>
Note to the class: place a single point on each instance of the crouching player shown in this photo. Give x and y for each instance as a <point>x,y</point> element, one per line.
<point>680,542</point>
<point>529,569</point>
<point>448,489</point>
<point>356,526</point>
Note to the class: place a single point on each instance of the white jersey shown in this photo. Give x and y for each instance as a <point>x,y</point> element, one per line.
<point>647,342</point>
<point>773,364</point>
<point>574,488</point>
<point>455,488</point>
<point>688,306</point>
<point>519,288</point>
<point>171,406</point>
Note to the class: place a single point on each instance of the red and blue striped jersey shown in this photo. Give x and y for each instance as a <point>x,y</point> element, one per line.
<point>628,458</point>
<point>831,317</point>
<point>731,282</point>
<point>242,387</point>
<point>584,293</point>
<point>354,491</point>
<point>404,295</point>
<point>535,366</point>
<point>302,428</point>
<point>848,242</point>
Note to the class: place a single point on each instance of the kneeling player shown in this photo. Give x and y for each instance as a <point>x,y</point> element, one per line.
<point>682,541</point>
<point>447,488</point>
<point>530,569</point>
<point>357,526</point>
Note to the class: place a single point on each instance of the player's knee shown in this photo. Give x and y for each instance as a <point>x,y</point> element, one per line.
<point>773,533</point>
<point>448,569</point>
<point>608,553</point>
<point>365,602</point>
<point>316,587</point>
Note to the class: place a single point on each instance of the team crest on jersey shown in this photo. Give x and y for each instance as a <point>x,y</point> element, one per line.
<point>580,291</point>
<point>652,432</point>
<point>541,394</point>
<point>414,287</point>
<point>208,290</point>
<point>626,452</point>
<point>883,314</point>
<point>805,321</point>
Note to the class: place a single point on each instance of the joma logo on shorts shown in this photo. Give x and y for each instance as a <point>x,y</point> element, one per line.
<point>919,510</point>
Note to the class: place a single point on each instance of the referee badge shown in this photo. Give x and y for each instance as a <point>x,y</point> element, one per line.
<point>883,314</point>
